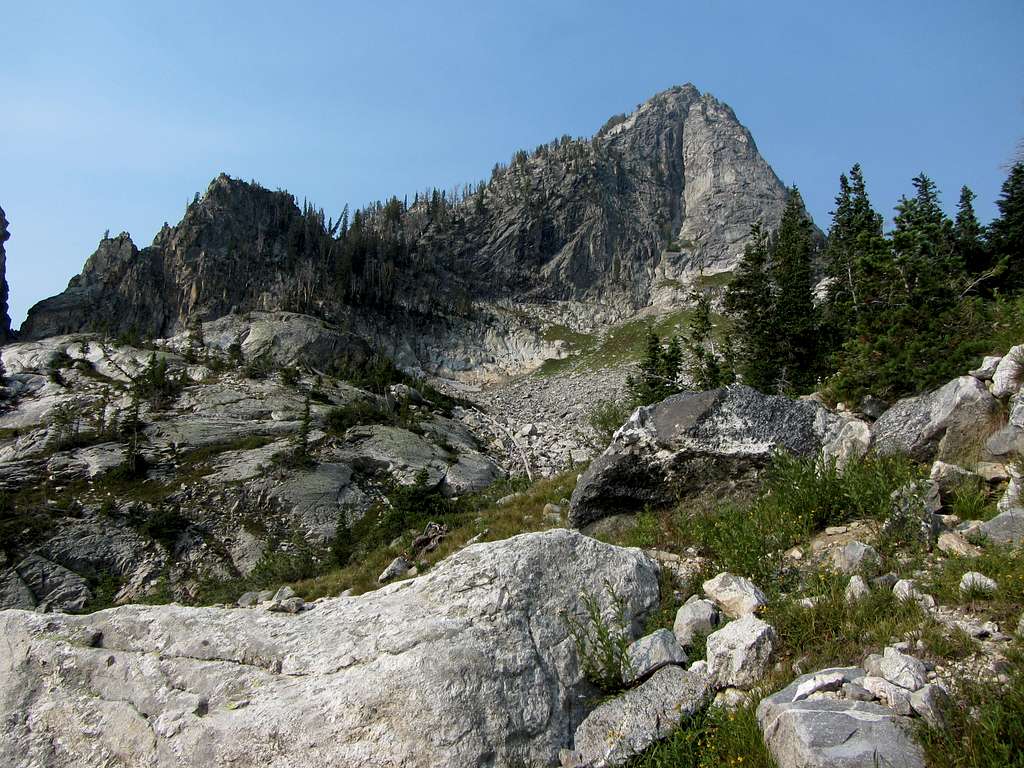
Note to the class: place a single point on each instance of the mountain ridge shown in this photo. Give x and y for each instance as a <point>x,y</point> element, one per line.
<point>615,223</point>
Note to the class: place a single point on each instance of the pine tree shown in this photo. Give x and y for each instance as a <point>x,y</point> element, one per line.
<point>749,298</point>
<point>1006,232</point>
<point>658,372</point>
<point>855,228</point>
<point>969,235</point>
<point>794,313</point>
<point>702,364</point>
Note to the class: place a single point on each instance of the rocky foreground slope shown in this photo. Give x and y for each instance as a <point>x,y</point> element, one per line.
<point>581,232</point>
<point>471,664</point>
<point>481,660</point>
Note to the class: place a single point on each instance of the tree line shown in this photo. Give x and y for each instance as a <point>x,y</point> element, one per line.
<point>866,312</point>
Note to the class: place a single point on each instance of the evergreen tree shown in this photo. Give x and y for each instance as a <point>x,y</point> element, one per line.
<point>702,364</point>
<point>793,311</point>
<point>969,235</point>
<point>855,228</point>
<point>658,372</point>
<point>749,298</point>
<point>1006,233</point>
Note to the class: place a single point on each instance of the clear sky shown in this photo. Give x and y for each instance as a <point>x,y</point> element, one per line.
<point>115,114</point>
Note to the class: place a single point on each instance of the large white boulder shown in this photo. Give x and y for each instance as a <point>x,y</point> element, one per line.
<point>470,664</point>
<point>625,726</point>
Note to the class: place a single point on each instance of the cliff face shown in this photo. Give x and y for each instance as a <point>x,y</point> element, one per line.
<point>5,320</point>
<point>620,221</point>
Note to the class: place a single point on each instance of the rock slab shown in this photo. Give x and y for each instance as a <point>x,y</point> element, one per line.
<point>834,733</point>
<point>471,664</point>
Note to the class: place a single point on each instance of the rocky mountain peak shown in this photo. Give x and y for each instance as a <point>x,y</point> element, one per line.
<point>598,227</point>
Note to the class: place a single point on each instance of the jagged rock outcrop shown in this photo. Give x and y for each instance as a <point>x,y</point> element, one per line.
<point>616,222</point>
<point>5,320</point>
<point>699,441</point>
<point>471,664</point>
<point>218,494</point>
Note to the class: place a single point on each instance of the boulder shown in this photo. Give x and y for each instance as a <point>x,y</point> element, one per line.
<point>856,589</point>
<point>471,664</point>
<point>738,653</point>
<point>953,543</point>
<point>929,702</point>
<point>948,423</point>
<point>906,589</point>
<point>1006,527</point>
<point>651,653</point>
<point>735,595</point>
<point>834,733</point>
<point>973,581</point>
<point>396,569</point>
<point>902,669</point>
<point>822,682</point>
<point>951,478</point>
<point>1007,377</point>
<point>625,726</point>
<point>856,557</point>
<point>695,618</point>
<point>697,441</point>
<point>893,696</point>
<point>987,369</point>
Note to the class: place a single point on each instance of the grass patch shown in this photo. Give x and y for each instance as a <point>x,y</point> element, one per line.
<point>1004,564</point>
<point>713,739</point>
<point>984,724</point>
<point>622,343</point>
<point>797,499</point>
<point>474,514</point>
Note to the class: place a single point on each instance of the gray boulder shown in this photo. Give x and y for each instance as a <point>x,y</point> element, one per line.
<point>471,664</point>
<point>738,653</point>
<point>902,669</point>
<point>396,569</point>
<point>895,697</point>
<point>855,557</point>
<point>625,726</point>
<point>947,423</point>
<point>652,652</point>
<point>697,441</point>
<point>1009,373</point>
<point>834,733</point>
<point>929,702</point>
<point>856,589</point>
<point>973,581</point>
<point>1006,527</point>
<point>987,369</point>
<point>735,595</point>
<point>695,618</point>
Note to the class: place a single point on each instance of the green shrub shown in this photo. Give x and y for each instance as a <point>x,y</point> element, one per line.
<point>602,645</point>
<point>340,419</point>
<point>156,383</point>
<point>798,497</point>
<point>164,525</point>
<point>607,416</point>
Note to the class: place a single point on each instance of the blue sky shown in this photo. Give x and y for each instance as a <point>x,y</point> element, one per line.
<point>115,114</point>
